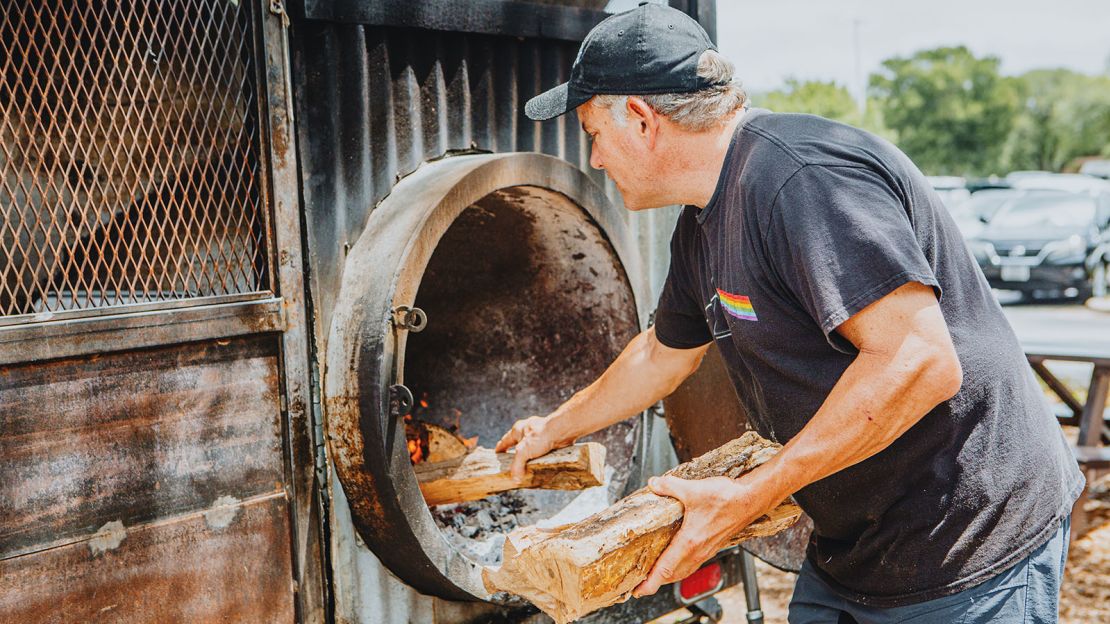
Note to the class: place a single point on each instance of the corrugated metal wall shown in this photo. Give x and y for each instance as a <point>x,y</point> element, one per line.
<point>373,103</point>
<point>376,102</point>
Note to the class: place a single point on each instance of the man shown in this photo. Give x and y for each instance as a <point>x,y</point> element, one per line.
<point>856,328</point>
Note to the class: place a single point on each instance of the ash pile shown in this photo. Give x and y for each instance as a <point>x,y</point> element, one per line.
<point>477,529</point>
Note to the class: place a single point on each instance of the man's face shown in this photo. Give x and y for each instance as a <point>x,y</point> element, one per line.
<point>626,153</point>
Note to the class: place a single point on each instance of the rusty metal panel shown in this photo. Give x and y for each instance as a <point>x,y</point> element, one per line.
<point>134,437</point>
<point>139,329</point>
<point>130,166</point>
<point>375,102</point>
<point>229,563</point>
<point>306,476</point>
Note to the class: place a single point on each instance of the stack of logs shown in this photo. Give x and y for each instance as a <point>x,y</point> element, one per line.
<point>574,569</point>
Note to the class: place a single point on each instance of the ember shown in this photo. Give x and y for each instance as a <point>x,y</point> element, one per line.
<point>430,442</point>
<point>478,528</point>
<point>416,452</point>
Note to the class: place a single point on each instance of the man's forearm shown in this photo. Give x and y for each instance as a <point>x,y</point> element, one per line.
<point>645,372</point>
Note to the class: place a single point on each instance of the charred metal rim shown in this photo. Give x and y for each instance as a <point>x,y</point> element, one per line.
<point>365,350</point>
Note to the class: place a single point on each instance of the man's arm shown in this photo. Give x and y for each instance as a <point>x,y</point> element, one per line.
<point>644,372</point>
<point>905,367</point>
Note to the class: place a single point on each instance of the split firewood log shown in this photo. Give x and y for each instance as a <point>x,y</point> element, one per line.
<point>574,569</point>
<point>483,472</point>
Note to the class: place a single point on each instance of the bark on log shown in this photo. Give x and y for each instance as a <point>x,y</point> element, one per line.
<point>574,569</point>
<point>483,472</point>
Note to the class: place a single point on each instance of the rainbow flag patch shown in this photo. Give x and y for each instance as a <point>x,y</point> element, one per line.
<point>737,305</point>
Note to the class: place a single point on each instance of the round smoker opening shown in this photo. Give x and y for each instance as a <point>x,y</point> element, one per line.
<point>527,303</point>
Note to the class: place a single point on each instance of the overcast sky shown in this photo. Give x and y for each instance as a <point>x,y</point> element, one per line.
<point>770,40</point>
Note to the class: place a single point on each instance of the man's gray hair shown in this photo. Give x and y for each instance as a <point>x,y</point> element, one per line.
<point>696,111</point>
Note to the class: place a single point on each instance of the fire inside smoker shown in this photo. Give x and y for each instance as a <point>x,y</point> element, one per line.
<point>526,302</point>
<point>478,528</point>
<point>431,442</point>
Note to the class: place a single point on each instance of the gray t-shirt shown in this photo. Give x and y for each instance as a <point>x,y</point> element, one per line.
<point>812,221</point>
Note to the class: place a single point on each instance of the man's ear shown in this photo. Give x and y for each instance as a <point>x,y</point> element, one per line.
<point>645,119</point>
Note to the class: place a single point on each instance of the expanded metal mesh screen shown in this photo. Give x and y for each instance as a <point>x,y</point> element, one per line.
<point>129,154</point>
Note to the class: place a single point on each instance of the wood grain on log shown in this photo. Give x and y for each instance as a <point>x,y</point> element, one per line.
<point>483,472</point>
<point>574,569</point>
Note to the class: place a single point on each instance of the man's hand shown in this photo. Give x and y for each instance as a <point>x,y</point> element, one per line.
<point>532,438</point>
<point>715,510</point>
<point>645,372</point>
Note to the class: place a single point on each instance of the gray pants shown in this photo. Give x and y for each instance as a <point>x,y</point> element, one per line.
<point>1027,593</point>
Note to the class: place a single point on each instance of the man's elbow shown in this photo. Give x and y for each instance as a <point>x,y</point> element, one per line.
<point>675,364</point>
<point>941,375</point>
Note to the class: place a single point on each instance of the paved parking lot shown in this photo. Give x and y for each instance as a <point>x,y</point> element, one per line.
<point>1064,323</point>
<point>1060,324</point>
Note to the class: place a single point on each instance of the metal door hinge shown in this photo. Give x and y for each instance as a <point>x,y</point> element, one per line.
<point>318,442</point>
<point>400,400</point>
<point>410,318</point>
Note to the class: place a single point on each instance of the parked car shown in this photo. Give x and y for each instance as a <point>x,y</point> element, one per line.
<point>1098,168</point>
<point>1051,243</point>
<point>951,189</point>
<point>973,214</point>
<point>1046,180</point>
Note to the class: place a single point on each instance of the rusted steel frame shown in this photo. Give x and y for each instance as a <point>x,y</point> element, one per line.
<point>130,308</point>
<point>1058,387</point>
<point>307,520</point>
<point>101,334</point>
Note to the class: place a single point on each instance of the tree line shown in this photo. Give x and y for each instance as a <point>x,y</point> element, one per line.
<point>955,114</point>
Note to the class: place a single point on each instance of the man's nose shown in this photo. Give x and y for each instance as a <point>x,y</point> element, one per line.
<point>595,160</point>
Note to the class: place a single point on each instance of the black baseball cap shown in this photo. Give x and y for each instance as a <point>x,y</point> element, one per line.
<point>650,49</point>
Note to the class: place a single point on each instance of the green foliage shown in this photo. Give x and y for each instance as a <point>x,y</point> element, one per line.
<point>1065,115</point>
<point>826,99</point>
<point>954,114</point>
<point>950,111</point>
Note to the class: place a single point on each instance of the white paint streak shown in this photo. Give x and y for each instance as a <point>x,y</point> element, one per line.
<point>222,513</point>
<point>108,537</point>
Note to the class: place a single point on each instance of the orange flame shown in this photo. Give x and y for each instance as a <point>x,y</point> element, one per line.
<point>415,452</point>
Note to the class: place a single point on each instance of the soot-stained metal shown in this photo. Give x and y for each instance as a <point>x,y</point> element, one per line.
<point>555,256</point>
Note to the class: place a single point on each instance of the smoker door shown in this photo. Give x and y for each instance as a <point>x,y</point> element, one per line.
<point>704,413</point>
<point>519,267</point>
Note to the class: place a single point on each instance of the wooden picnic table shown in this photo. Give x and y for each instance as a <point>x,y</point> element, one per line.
<point>1088,415</point>
<point>1090,451</point>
